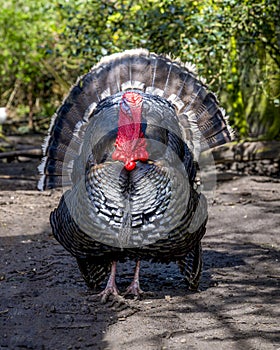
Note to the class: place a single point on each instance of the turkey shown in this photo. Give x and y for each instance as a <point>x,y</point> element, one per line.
<point>125,148</point>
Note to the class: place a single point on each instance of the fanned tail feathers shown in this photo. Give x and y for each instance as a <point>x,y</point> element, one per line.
<point>201,120</point>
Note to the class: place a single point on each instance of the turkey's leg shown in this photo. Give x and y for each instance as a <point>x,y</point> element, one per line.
<point>111,287</point>
<point>134,287</point>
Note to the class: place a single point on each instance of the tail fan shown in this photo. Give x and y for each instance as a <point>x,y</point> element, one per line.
<point>201,120</point>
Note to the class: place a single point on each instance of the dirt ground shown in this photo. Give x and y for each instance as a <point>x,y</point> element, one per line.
<point>44,303</point>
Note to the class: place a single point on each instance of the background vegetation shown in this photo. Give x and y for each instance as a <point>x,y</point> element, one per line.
<point>46,44</point>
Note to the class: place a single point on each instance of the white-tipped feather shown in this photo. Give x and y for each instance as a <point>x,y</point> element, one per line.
<point>41,167</point>
<point>203,80</point>
<point>105,93</point>
<point>154,91</point>
<point>45,143</point>
<point>138,85</point>
<point>121,55</point>
<point>78,127</point>
<point>196,133</point>
<point>89,111</point>
<point>41,183</point>
<point>47,138</point>
<point>190,67</point>
<point>176,101</point>
<point>154,74</point>
<point>41,170</point>
<point>167,78</point>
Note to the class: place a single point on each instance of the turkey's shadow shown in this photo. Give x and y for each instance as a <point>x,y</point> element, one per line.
<point>159,279</point>
<point>234,265</point>
<point>44,300</point>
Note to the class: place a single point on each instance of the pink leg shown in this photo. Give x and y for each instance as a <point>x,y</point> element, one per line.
<point>111,287</point>
<point>134,288</point>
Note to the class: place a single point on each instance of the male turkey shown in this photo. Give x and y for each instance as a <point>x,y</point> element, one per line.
<point>125,144</point>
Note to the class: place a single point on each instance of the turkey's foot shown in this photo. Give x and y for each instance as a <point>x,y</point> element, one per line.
<point>135,290</point>
<point>109,290</point>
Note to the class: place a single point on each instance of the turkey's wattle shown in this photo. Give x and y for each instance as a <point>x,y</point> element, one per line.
<point>126,142</point>
<point>130,143</point>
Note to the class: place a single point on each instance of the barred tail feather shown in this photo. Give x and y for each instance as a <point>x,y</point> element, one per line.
<point>191,266</point>
<point>94,274</point>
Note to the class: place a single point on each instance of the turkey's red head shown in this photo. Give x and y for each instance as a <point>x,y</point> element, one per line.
<point>130,142</point>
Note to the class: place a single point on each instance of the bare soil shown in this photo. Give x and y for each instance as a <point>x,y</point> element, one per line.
<point>45,304</point>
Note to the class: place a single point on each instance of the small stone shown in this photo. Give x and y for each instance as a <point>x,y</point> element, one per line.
<point>122,319</point>
<point>85,309</point>
<point>52,309</point>
<point>168,298</point>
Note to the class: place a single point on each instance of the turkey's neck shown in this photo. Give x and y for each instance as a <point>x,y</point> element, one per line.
<point>130,142</point>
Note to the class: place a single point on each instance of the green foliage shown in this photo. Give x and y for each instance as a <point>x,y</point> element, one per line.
<point>234,44</point>
<point>26,31</point>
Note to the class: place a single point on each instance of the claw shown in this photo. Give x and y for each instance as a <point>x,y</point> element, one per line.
<point>107,292</point>
<point>134,287</point>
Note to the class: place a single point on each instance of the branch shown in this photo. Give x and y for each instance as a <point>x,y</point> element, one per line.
<point>30,153</point>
